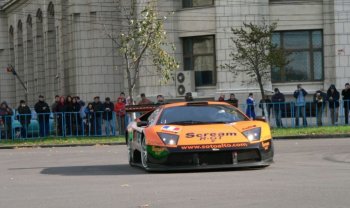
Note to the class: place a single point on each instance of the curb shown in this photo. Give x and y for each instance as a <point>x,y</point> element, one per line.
<point>62,145</point>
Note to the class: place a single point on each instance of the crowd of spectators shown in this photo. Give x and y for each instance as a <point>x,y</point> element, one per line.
<point>72,116</point>
<point>277,103</point>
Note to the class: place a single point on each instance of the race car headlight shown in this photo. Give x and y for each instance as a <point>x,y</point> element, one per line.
<point>168,139</point>
<point>253,134</point>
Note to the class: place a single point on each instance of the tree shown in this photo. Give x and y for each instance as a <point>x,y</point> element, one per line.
<point>255,53</point>
<point>143,37</point>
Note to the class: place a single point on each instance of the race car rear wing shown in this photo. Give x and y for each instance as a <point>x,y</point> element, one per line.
<point>140,108</point>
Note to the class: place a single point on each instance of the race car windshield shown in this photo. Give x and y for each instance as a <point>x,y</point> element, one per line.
<point>206,114</point>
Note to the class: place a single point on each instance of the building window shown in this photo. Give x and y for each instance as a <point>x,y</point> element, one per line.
<point>305,50</point>
<point>294,1</point>
<point>196,3</point>
<point>199,55</point>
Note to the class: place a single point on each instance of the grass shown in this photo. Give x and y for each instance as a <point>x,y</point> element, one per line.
<point>61,141</point>
<point>329,130</point>
<point>326,130</point>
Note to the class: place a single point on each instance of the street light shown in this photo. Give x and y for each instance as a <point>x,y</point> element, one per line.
<point>11,69</point>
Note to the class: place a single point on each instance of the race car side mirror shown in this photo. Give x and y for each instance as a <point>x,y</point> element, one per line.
<point>260,118</point>
<point>142,124</point>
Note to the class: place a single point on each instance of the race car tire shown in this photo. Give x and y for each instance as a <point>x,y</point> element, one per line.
<point>144,154</point>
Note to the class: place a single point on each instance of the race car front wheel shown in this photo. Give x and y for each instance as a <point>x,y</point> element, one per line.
<point>144,154</point>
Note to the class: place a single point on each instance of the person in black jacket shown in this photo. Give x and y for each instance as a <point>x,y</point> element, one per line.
<point>68,112</point>
<point>24,117</point>
<point>90,120</point>
<point>320,102</point>
<point>108,117</point>
<point>333,97</point>
<point>188,97</point>
<point>277,100</point>
<point>43,111</point>
<point>233,100</point>
<point>76,119</point>
<point>59,112</point>
<point>98,110</point>
<point>267,102</point>
<point>54,105</point>
<point>346,99</point>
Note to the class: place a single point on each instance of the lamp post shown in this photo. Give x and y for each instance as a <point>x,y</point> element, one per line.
<point>11,69</point>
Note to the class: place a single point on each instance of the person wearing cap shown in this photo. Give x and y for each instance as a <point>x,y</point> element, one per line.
<point>346,99</point>
<point>43,111</point>
<point>108,117</point>
<point>24,117</point>
<point>98,110</point>
<point>333,97</point>
<point>277,99</point>
<point>299,95</point>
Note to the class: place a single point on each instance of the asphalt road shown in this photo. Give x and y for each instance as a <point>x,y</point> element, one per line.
<point>306,173</point>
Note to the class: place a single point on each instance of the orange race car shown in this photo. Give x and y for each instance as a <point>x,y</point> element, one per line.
<point>198,135</point>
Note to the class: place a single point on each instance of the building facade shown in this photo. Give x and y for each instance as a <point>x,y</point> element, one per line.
<point>62,47</point>
<point>58,48</point>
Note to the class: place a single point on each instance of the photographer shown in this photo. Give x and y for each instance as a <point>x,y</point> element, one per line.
<point>333,102</point>
<point>299,95</point>
<point>346,99</point>
<point>320,102</point>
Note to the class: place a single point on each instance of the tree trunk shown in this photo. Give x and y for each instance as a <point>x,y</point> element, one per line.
<point>264,105</point>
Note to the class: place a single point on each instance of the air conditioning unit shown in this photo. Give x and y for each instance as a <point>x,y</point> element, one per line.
<point>184,82</point>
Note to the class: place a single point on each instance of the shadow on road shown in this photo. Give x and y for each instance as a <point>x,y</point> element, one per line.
<point>122,169</point>
<point>95,170</point>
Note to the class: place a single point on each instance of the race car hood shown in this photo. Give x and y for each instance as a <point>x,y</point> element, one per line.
<point>211,133</point>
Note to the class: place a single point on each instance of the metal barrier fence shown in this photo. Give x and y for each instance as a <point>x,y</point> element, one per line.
<point>98,124</point>
<point>290,114</point>
<point>32,126</point>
